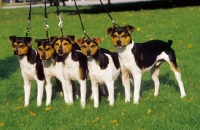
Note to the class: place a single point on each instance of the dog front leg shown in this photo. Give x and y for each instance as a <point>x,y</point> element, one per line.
<point>95,92</point>
<point>40,89</point>
<point>83,92</point>
<point>48,89</point>
<point>27,91</point>
<point>137,84</point>
<point>126,84</point>
<point>69,91</point>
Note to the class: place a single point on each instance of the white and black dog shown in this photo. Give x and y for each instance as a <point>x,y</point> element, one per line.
<point>136,58</point>
<point>31,66</point>
<point>103,67</point>
<point>53,67</point>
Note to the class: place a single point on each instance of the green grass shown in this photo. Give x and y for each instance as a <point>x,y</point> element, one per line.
<point>166,111</point>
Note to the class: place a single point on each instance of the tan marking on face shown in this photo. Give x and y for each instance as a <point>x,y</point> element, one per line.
<point>123,37</point>
<point>45,52</point>
<point>174,68</point>
<point>64,45</point>
<point>21,48</point>
<point>91,47</point>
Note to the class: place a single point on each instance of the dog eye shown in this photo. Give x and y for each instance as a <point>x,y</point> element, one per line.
<point>65,43</point>
<point>39,49</point>
<point>83,46</point>
<point>56,44</point>
<point>114,35</point>
<point>124,35</point>
<point>22,46</point>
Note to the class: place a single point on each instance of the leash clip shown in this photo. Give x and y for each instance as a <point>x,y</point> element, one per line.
<point>60,21</point>
<point>46,25</point>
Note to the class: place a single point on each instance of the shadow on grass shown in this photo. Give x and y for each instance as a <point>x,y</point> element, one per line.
<point>134,6</point>
<point>8,66</point>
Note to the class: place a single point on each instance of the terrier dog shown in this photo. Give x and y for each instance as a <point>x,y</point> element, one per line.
<point>52,65</point>
<point>137,58</point>
<point>103,67</point>
<point>31,66</point>
<point>75,64</point>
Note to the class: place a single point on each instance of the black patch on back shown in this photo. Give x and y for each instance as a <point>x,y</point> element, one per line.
<point>146,53</point>
<point>114,56</point>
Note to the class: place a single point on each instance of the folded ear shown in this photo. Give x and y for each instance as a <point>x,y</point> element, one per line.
<point>110,31</point>
<point>97,40</point>
<point>79,42</point>
<point>28,40</point>
<point>12,38</point>
<point>130,29</point>
<point>71,38</point>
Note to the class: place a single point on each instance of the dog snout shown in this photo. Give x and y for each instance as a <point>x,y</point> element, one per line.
<point>60,51</point>
<point>43,56</point>
<point>118,42</point>
<point>15,52</point>
<point>88,52</point>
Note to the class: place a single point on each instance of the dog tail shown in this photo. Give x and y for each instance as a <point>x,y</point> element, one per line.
<point>169,42</point>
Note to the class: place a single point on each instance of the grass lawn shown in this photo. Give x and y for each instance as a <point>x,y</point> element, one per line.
<point>166,111</point>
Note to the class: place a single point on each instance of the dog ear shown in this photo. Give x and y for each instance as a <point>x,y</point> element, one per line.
<point>130,29</point>
<point>110,30</point>
<point>12,38</point>
<point>71,38</point>
<point>28,40</point>
<point>53,39</point>
<point>79,42</point>
<point>36,41</point>
<point>97,40</point>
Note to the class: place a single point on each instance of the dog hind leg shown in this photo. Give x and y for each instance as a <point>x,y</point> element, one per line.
<point>154,74</point>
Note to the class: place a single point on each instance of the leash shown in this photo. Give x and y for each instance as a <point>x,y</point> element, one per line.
<point>29,21</point>
<point>114,24</point>
<point>45,17</point>
<point>59,17</point>
<point>85,34</point>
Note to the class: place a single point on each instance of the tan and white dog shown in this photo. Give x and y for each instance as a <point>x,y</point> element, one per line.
<point>137,58</point>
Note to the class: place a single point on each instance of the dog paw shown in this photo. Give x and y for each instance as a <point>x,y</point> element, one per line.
<point>83,105</point>
<point>183,95</point>
<point>39,104</point>
<point>155,94</point>
<point>136,102</point>
<point>127,100</point>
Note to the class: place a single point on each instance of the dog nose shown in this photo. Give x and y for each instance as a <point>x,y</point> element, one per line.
<point>88,52</point>
<point>15,52</point>
<point>43,56</point>
<point>118,42</point>
<point>60,50</point>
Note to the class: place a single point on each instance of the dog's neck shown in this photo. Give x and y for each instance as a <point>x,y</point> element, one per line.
<point>48,63</point>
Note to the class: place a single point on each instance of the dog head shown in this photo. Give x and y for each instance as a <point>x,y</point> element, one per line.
<point>120,36</point>
<point>89,46</point>
<point>44,48</point>
<point>20,45</point>
<point>62,45</point>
